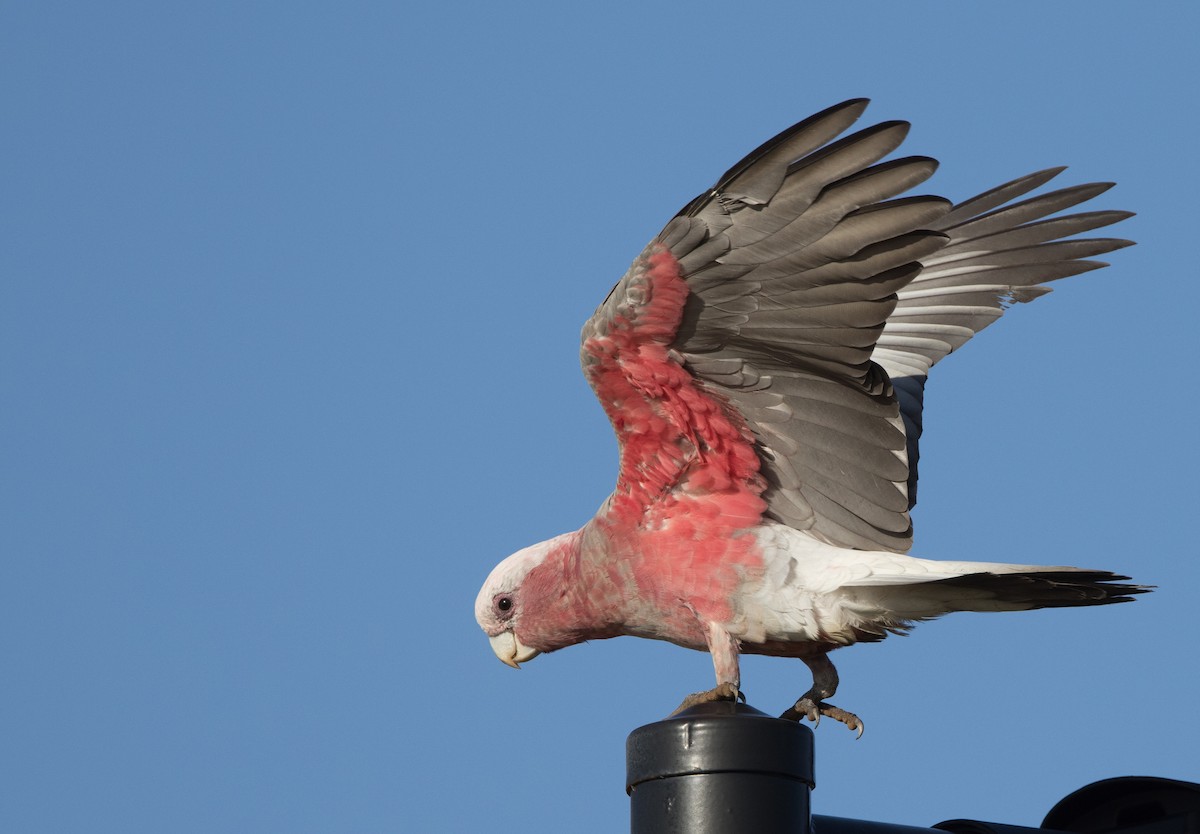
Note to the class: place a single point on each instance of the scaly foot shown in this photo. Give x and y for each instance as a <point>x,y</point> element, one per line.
<point>722,692</point>
<point>806,707</point>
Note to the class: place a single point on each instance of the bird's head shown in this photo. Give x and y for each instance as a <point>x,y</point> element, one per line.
<point>500,604</point>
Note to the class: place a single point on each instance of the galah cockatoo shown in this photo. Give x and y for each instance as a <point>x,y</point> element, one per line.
<point>763,363</point>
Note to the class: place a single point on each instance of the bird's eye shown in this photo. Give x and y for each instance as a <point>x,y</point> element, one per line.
<point>504,604</point>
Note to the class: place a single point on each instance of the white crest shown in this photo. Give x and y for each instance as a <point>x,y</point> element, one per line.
<point>509,574</point>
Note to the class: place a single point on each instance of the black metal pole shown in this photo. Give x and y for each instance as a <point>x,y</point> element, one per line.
<point>719,768</point>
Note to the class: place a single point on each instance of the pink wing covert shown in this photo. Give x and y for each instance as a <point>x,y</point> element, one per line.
<point>687,457</point>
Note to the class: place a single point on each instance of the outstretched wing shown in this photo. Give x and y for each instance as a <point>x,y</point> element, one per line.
<point>735,358</point>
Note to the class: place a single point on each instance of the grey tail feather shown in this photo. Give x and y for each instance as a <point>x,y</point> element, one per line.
<point>1044,589</point>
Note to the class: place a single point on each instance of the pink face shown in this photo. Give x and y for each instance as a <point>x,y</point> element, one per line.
<point>498,606</point>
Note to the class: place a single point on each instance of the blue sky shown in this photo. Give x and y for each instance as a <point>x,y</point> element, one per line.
<point>288,354</point>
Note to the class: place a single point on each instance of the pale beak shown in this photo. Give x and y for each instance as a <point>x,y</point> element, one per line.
<point>510,650</point>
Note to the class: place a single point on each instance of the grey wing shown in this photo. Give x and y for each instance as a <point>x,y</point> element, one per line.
<point>998,253</point>
<point>799,263</point>
<point>793,261</point>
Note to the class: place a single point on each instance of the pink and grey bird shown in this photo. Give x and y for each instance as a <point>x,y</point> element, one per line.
<point>763,363</point>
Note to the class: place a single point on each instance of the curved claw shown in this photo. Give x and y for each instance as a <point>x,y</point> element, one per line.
<point>722,692</point>
<point>813,710</point>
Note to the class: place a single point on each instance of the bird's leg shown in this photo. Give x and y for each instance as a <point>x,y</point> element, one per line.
<point>812,703</point>
<point>724,650</point>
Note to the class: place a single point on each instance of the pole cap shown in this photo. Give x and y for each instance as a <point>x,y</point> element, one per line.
<point>719,737</point>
